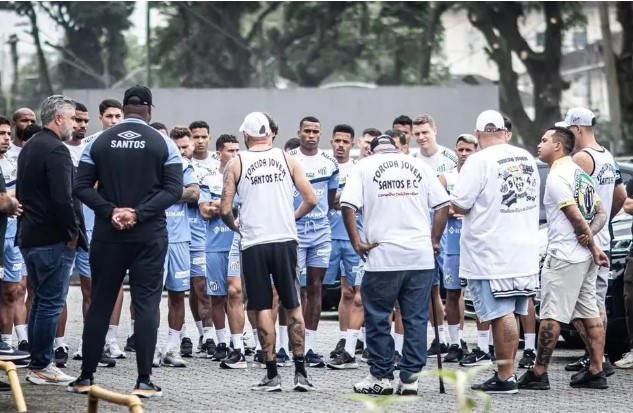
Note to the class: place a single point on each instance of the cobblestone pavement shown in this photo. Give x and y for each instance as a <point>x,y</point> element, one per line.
<point>203,387</point>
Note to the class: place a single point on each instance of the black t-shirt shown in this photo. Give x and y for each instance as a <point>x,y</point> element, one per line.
<point>3,219</point>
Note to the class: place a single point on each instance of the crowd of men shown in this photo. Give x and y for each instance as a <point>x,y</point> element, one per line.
<point>258,232</point>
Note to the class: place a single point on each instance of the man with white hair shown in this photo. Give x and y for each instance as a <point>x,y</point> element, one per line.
<point>498,193</point>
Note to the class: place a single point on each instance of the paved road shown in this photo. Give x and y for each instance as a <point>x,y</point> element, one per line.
<point>203,387</point>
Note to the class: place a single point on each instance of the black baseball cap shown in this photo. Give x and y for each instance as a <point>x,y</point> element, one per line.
<point>141,92</point>
<point>381,140</point>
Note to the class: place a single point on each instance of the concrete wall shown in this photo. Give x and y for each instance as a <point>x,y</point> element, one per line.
<point>454,109</point>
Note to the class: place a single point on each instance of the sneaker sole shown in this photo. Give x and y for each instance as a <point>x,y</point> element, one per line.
<point>316,365</point>
<point>266,388</point>
<point>178,366</point>
<point>303,388</point>
<point>534,387</point>
<point>623,366</point>
<point>110,365</point>
<point>526,366</point>
<point>239,365</point>
<point>384,392</point>
<point>257,365</point>
<point>513,391</point>
<point>589,386</point>
<point>8,357</point>
<point>79,390</point>
<point>147,394</point>
<point>38,381</point>
<point>477,363</point>
<point>407,393</point>
<point>342,366</point>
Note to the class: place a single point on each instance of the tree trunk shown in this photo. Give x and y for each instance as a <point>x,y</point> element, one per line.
<point>45,78</point>
<point>612,76</point>
<point>624,67</point>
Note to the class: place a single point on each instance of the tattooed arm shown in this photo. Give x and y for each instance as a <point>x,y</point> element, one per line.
<point>229,188</point>
<point>583,230</point>
<point>599,219</point>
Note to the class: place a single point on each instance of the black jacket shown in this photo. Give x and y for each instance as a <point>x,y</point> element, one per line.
<point>44,188</point>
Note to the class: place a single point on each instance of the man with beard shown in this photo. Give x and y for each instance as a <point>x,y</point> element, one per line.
<point>22,118</point>
<point>49,231</point>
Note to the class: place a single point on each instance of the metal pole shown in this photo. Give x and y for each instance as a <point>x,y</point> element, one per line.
<point>148,33</point>
<point>14,382</point>
<point>437,339</point>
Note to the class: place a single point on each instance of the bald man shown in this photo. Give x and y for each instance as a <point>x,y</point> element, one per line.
<point>22,118</point>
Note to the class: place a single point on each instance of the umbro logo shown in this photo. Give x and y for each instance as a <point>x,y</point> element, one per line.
<point>128,135</point>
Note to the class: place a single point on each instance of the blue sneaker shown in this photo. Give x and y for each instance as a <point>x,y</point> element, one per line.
<point>313,359</point>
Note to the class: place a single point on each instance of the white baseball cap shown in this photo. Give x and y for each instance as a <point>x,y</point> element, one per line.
<point>490,121</point>
<point>578,117</point>
<point>256,125</point>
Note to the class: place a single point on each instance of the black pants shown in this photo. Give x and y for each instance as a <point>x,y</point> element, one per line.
<point>108,264</point>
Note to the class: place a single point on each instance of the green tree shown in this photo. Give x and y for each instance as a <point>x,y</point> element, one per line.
<point>624,64</point>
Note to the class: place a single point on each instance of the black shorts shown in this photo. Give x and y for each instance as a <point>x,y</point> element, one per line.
<point>278,259</point>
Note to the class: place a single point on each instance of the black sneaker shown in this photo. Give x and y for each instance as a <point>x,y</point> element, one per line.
<point>80,386</point>
<point>186,347</point>
<point>130,344</point>
<point>365,358</point>
<point>268,385</point>
<point>528,359</point>
<point>496,386</point>
<point>283,360</point>
<point>360,346</point>
<point>221,352</point>
<point>106,361</point>
<point>208,347</point>
<point>531,381</point>
<point>23,346</point>
<point>476,358</point>
<point>343,361</point>
<point>586,380</point>
<point>464,347</point>
<point>340,347</point>
<point>313,359</point>
<point>61,356</point>
<point>607,366</point>
<point>147,390</point>
<point>235,360</point>
<point>302,383</point>
<point>579,364</point>
<point>432,351</point>
<point>8,353</point>
<point>258,360</point>
<point>455,354</point>
<point>396,360</point>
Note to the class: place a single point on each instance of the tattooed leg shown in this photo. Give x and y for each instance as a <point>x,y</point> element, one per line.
<point>266,333</point>
<point>580,328</point>
<point>547,338</point>
<point>506,336</point>
<point>595,339</point>
<point>296,331</point>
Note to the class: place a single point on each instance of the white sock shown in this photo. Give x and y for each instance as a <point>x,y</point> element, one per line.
<point>361,336</point>
<point>342,335</point>
<point>22,332</point>
<point>183,332</point>
<point>200,328</point>
<point>112,333</point>
<point>490,339</point>
<point>398,340</point>
<point>208,333</point>
<point>57,342</point>
<point>482,340</point>
<point>131,326</point>
<point>442,332</point>
<point>530,339</point>
<point>258,346</point>
<point>8,338</point>
<point>283,338</point>
<point>351,337</point>
<point>79,347</point>
<point>461,334</point>
<point>310,339</point>
<point>221,335</point>
<point>237,341</point>
<point>277,342</point>
<point>173,340</point>
<point>453,334</point>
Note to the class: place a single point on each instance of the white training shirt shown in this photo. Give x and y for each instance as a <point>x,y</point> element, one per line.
<point>75,152</point>
<point>207,166</point>
<point>266,191</point>
<point>567,184</point>
<point>500,187</point>
<point>12,153</point>
<point>397,193</point>
<point>443,161</point>
<point>605,175</point>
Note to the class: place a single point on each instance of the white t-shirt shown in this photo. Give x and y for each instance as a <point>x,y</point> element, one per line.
<point>397,193</point>
<point>500,187</point>
<point>75,152</point>
<point>12,153</point>
<point>443,161</point>
<point>567,184</point>
<point>206,166</point>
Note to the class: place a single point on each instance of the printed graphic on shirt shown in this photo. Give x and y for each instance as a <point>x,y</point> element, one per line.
<point>278,173</point>
<point>607,175</point>
<point>407,184</point>
<point>585,194</point>
<point>519,185</point>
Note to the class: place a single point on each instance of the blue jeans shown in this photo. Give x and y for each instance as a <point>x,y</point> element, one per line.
<point>49,270</point>
<point>412,290</point>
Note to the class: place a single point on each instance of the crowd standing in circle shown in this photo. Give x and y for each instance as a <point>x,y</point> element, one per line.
<point>258,232</point>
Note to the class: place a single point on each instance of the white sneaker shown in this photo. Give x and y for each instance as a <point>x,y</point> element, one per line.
<point>78,355</point>
<point>113,350</point>
<point>372,385</point>
<point>158,357</point>
<point>50,375</point>
<point>626,362</point>
<point>172,359</point>
<point>407,389</point>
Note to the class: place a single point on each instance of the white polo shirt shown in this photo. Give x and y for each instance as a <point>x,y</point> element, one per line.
<point>567,184</point>
<point>500,186</point>
<point>397,193</point>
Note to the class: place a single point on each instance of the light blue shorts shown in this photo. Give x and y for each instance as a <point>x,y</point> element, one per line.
<point>177,267</point>
<point>198,264</point>
<point>359,275</point>
<point>217,272</point>
<point>316,256</point>
<point>343,260</point>
<point>82,259</point>
<point>490,308</point>
<point>451,273</point>
<point>14,266</point>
